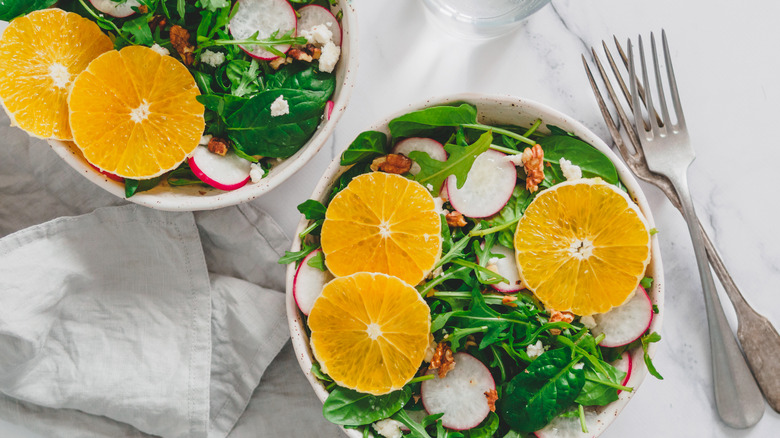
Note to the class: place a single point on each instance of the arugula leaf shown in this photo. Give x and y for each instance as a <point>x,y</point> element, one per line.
<point>10,9</point>
<point>317,261</point>
<point>416,429</point>
<point>348,407</point>
<point>366,145</point>
<point>428,121</point>
<point>480,315</point>
<point>646,341</point>
<point>646,282</point>
<point>139,29</point>
<point>213,5</point>
<point>312,210</point>
<point>243,76</point>
<point>295,256</point>
<point>549,385</point>
<point>133,186</point>
<point>434,172</point>
<point>592,161</point>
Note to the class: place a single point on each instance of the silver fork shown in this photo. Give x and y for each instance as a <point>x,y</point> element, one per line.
<point>662,154</point>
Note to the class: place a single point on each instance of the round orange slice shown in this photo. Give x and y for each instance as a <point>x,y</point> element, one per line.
<point>382,223</point>
<point>582,246</point>
<point>41,54</point>
<point>133,113</point>
<point>369,332</point>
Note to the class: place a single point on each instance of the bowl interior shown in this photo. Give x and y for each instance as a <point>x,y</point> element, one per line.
<point>201,197</point>
<point>498,110</point>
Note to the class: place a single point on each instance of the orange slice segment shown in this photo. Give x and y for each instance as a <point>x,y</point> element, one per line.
<point>582,246</point>
<point>369,332</point>
<point>382,223</point>
<point>133,113</point>
<point>40,56</point>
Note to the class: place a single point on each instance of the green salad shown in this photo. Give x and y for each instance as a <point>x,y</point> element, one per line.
<point>538,366</point>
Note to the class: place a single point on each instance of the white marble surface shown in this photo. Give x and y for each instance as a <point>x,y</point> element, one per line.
<point>727,63</point>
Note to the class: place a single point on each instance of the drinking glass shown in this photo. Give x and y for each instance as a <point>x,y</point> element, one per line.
<point>481,19</point>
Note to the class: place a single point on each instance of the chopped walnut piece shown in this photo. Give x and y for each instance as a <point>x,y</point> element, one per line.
<point>306,53</point>
<point>218,146</point>
<point>470,342</point>
<point>509,300</point>
<point>180,39</point>
<point>157,21</point>
<point>143,9</point>
<point>455,219</point>
<point>442,360</point>
<point>492,396</point>
<point>533,163</point>
<point>392,163</point>
<point>556,316</point>
<point>280,61</point>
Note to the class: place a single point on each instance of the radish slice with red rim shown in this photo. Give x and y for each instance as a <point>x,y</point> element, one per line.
<point>460,395</point>
<point>568,427</point>
<point>507,268</point>
<point>308,282</point>
<point>114,9</point>
<point>263,17</point>
<point>433,148</point>
<point>488,187</point>
<point>315,15</point>
<point>624,364</point>
<point>225,173</point>
<point>626,323</point>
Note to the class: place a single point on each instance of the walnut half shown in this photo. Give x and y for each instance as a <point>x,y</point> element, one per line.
<point>443,360</point>
<point>180,39</point>
<point>533,163</point>
<point>392,163</point>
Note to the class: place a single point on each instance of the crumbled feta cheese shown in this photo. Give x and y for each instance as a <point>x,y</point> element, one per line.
<point>204,140</point>
<point>493,261</point>
<point>429,186</point>
<point>439,203</point>
<point>388,428</point>
<point>588,321</point>
<point>213,59</point>
<point>256,172</point>
<point>430,350</point>
<point>329,57</point>
<point>570,171</point>
<point>535,350</point>
<point>516,159</point>
<point>280,107</point>
<point>160,49</point>
<point>319,34</point>
<point>579,366</point>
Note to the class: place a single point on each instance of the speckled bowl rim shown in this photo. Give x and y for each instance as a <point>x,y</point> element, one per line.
<point>518,106</point>
<point>192,198</point>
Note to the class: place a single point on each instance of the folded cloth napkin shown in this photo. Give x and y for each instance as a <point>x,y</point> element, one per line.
<point>246,321</point>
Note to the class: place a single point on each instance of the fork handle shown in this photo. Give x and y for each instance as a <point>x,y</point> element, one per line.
<point>758,337</point>
<point>737,396</point>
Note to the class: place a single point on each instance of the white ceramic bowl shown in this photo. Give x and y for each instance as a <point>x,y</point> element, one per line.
<point>498,110</point>
<point>201,197</point>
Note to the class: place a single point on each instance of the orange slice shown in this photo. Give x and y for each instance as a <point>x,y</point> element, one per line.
<point>133,113</point>
<point>582,246</point>
<point>369,332</point>
<point>40,56</point>
<point>382,223</point>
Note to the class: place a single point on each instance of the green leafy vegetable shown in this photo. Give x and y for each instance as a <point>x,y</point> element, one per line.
<point>312,210</point>
<point>10,9</point>
<point>133,186</point>
<point>592,161</point>
<point>646,341</point>
<point>600,384</point>
<point>348,407</point>
<point>430,120</point>
<point>367,145</point>
<point>458,163</point>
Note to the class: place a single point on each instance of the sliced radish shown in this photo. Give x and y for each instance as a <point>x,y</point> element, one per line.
<point>460,396</point>
<point>314,15</point>
<point>263,17</point>
<point>433,148</point>
<point>329,109</point>
<point>225,173</point>
<point>569,427</point>
<point>308,282</point>
<point>488,187</point>
<point>626,323</point>
<point>506,267</point>
<point>114,9</point>
<point>624,364</point>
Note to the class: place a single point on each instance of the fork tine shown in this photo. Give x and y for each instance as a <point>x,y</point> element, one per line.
<point>611,126</point>
<point>659,83</point>
<point>624,151</point>
<point>636,107</point>
<point>648,96</point>
<point>620,79</point>
<point>672,83</point>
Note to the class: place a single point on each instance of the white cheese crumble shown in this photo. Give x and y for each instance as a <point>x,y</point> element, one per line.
<point>535,350</point>
<point>493,261</point>
<point>429,186</point>
<point>388,428</point>
<point>280,107</point>
<point>160,49</point>
<point>588,321</point>
<point>439,203</point>
<point>570,171</point>
<point>329,57</point>
<point>205,139</point>
<point>579,366</point>
<point>319,34</point>
<point>255,172</point>
<point>213,59</point>
<point>516,159</point>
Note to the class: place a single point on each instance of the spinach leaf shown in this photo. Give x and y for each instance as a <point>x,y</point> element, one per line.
<point>592,161</point>
<point>348,407</point>
<point>595,393</point>
<point>428,121</point>
<point>458,163</point>
<point>549,385</point>
<point>133,186</point>
<point>312,210</point>
<point>10,9</point>
<point>484,430</point>
<point>366,145</point>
